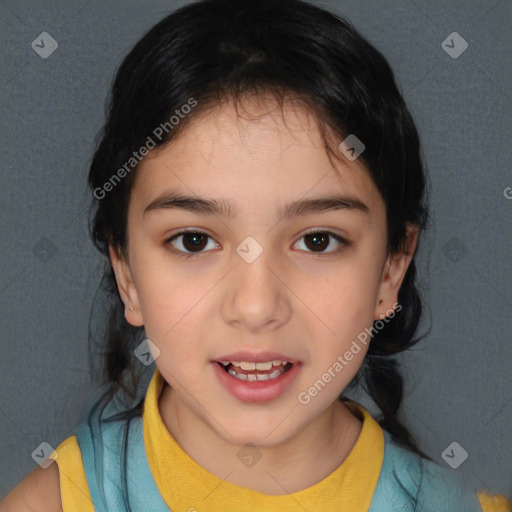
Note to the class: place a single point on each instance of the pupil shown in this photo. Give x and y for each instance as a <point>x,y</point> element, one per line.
<point>196,238</point>
<point>318,239</point>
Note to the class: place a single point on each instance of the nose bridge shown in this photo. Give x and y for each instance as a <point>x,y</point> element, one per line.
<point>257,297</point>
<point>253,264</point>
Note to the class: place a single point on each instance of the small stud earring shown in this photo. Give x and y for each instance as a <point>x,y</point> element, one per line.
<point>131,308</point>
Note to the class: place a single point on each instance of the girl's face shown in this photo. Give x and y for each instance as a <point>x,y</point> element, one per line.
<point>254,286</point>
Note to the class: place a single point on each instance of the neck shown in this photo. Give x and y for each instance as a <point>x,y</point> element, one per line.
<point>285,468</point>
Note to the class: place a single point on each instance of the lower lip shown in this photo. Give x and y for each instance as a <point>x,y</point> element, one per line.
<point>256,391</point>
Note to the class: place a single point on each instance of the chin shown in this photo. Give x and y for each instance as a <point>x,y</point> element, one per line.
<point>265,434</point>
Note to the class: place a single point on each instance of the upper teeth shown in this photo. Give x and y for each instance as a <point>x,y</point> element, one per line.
<point>244,365</point>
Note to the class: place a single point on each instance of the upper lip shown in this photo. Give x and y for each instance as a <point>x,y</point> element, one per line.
<point>252,357</point>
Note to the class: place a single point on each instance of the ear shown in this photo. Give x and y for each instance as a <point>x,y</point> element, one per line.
<point>126,287</point>
<point>394,272</point>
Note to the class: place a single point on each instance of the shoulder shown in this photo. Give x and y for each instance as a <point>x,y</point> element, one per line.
<point>412,482</point>
<point>39,490</point>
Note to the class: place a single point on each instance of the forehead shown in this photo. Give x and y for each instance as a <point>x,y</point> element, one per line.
<point>256,152</point>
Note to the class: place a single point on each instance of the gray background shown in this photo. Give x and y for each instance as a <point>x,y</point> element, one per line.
<point>459,384</point>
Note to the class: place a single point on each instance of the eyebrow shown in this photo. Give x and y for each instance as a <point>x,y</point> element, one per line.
<point>210,206</point>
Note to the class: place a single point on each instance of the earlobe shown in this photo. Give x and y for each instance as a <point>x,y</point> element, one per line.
<point>393,274</point>
<point>126,287</point>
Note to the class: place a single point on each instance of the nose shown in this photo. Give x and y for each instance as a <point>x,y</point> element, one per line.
<point>256,297</point>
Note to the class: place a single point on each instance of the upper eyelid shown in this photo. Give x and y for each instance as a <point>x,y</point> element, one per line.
<point>202,232</point>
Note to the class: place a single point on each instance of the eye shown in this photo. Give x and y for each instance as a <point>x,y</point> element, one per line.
<point>193,243</point>
<point>318,241</point>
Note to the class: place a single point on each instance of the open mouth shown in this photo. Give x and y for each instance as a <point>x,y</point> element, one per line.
<point>253,372</point>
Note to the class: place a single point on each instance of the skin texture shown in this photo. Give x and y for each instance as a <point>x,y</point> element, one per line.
<point>38,491</point>
<point>304,303</point>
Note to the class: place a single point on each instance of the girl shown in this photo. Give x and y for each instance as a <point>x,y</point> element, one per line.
<point>259,193</point>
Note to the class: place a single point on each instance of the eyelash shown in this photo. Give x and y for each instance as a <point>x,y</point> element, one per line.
<point>344,243</point>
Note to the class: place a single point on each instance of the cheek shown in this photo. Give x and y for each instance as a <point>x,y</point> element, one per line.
<point>167,297</point>
<point>346,297</point>
<point>345,304</point>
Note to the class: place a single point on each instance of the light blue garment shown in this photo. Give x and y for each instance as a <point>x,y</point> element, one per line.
<point>105,448</point>
<point>407,483</point>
